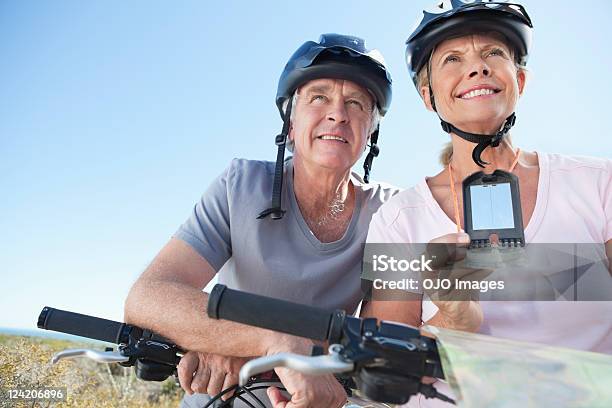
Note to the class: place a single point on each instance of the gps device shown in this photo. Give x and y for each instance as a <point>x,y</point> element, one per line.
<point>492,206</point>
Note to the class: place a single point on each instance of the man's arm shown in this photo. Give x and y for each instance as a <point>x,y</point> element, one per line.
<point>168,299</point>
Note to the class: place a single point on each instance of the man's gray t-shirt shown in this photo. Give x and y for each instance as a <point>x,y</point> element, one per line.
<point>279,258</point>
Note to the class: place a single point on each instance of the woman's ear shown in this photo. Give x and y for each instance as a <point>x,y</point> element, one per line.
<point>426,96</point>
<point>521,79</point>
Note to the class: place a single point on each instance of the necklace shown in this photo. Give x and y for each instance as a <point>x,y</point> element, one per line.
<point>451,181</point>
<point>334,209</point>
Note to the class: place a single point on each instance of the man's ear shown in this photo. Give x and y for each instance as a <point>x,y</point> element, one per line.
<point>521,79</point>
<point>290,132</point>
<point>425,95</point>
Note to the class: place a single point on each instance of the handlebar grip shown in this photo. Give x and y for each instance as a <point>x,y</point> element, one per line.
<point>274,314</point>
<point>80,325</point>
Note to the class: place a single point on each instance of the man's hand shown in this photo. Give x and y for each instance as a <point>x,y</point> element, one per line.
<point>208,373</point>
<point>307,391</point>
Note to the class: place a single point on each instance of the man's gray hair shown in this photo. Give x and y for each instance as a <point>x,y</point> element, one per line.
<point>376,117</point>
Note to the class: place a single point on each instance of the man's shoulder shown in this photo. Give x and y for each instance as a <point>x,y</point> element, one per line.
<point>246,167</point>
<point>256,174</point>
<point>249,182</point>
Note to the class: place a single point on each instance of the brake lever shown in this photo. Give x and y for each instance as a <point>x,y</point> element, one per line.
<point>99,356</point>
<point>332,363</point>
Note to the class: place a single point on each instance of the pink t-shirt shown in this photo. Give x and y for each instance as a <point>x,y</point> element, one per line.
<point>573,205</point>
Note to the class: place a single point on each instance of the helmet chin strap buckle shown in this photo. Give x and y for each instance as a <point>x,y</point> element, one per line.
<point>496,140</point>
<point>276,213</point>
<point>280,139</point>
<point>447,127</point>
<point>482,141</point>
<point>374,152</point>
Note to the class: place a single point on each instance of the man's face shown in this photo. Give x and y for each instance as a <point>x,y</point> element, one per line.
<point>331,121</point>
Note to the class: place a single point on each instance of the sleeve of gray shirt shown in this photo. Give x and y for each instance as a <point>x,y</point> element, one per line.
<point>207,230</point>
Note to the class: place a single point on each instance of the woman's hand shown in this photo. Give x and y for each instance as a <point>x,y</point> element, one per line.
<point>205,373</point>
<point>458,308</point>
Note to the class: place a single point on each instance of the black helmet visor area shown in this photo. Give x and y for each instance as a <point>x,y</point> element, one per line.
<point>334,43</point>
<point>338,57</point>
<point>353,71</point>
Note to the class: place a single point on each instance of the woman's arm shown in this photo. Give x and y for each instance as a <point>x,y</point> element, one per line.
<point>464,315</point>
<point>406,311</point>
<point>406,307</point>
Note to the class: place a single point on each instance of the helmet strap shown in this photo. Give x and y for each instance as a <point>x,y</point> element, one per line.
<point>483,141</point>
<point>431,95</point>
<point>374,152</point>
<point>281,140</point>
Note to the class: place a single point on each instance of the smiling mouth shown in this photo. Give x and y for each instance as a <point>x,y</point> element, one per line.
<point>330,137</point>
<point>479,92</point>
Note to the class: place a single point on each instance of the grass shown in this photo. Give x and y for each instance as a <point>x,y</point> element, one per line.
<point>25,362</point>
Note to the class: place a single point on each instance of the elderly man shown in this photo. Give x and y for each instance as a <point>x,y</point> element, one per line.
<point>331,96</point>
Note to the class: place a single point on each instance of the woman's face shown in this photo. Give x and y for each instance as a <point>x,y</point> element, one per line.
<point>475,82</point>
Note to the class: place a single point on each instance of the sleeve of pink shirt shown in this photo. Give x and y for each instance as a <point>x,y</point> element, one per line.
<point>382,228</point>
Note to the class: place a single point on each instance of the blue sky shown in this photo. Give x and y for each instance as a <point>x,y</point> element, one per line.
<point>115,116</point>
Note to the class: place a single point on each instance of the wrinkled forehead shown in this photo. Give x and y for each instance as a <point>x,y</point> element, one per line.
<point>349,88</point>
<point>478,40</point>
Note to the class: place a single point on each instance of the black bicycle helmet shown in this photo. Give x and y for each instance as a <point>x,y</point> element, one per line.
<point>334,56</point>
<point>456,18</point>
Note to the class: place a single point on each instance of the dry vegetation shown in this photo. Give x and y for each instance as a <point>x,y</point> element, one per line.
<point>25,362</point>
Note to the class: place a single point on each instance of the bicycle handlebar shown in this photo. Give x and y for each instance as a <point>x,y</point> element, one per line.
<point>332,363</point>
<point>388,359</point>
<point>154,357</point>
<point>385,360</point>
<point>81,325</point>
<point>275,314</point>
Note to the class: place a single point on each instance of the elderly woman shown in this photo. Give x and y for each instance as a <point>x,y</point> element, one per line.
<point>467,62</point>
